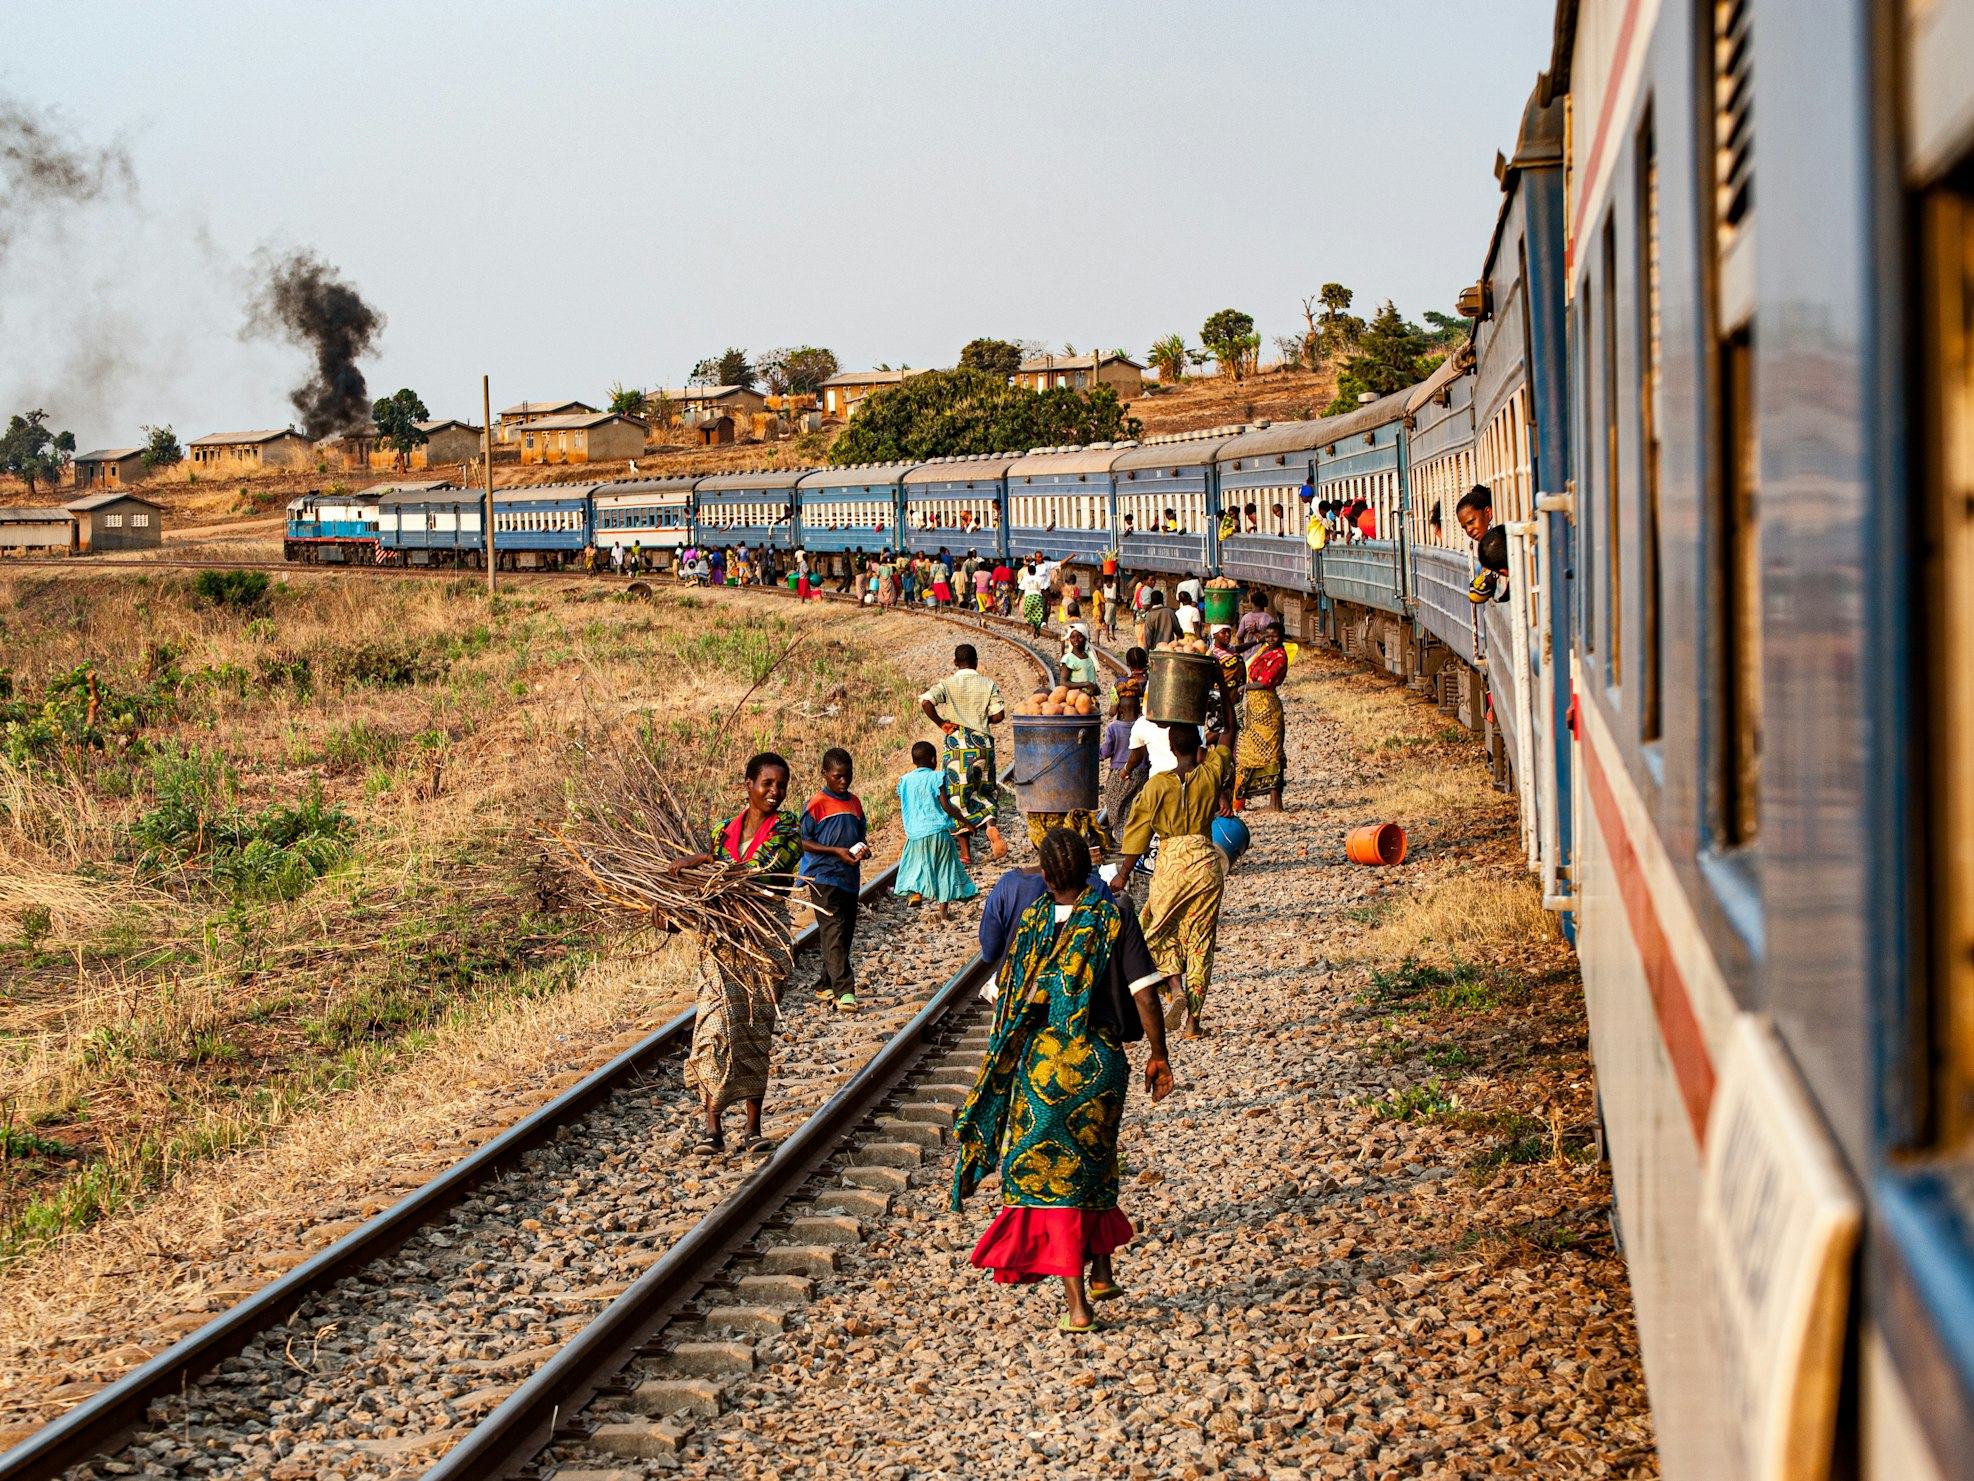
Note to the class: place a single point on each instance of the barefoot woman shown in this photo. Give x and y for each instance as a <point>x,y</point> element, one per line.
<point>738,997</point>
<point>1076,986</point>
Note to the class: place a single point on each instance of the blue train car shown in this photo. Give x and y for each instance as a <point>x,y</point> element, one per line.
<point>1265,481</point>
<point>1059,505</point>
<point>1165,503</point>
<point>436,525</point>
<point>542,526</point>
<point>654,514</point>
<point>753,509</point>
<point>958,504</point>
<point>1442,467</point>
<point>849,509</point>
<point>1363,457</point>
<point>332,529</point>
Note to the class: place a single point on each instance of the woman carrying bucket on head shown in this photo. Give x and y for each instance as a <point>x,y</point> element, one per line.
<point>1262,760</point>
<point>1181,918</point>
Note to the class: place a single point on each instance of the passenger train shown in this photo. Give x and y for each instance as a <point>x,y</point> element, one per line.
<point>1730,677</point>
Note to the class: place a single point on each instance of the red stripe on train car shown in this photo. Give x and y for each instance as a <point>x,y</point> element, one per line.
<point>1679,1028</point>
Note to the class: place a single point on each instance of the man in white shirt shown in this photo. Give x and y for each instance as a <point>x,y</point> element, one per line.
<point>1151,743</point>
<point>1190,587</point>
<point>1188,615</point>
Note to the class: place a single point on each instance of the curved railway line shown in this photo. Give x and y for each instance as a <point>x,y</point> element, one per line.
<point>676,1310</point>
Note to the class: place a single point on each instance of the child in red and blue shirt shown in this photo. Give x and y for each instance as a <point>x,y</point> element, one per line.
<point>833,849</point>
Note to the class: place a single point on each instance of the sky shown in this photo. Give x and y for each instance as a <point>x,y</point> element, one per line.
<point>569,196</point>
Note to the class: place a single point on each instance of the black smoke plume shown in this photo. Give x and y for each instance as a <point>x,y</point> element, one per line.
<point>305,301</point>
<point>42,168</point>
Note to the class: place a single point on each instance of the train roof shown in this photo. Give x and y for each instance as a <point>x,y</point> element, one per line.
<point>1048,462</point>
<point>1297,437</point>
<point>526,492</point>
<point>765,478</point>
<point>1457,364</point>
<point>641,488</point>
<point>855,475</point>
<point>1177,449</point>
<point>962,469</point>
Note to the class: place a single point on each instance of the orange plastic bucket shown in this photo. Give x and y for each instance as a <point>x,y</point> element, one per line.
<point>1376,843</point>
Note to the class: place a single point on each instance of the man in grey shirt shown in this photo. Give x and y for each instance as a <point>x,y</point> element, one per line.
<point>1158,625</point>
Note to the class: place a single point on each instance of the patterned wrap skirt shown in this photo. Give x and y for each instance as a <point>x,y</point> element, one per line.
<point>738,1005</point>
<point>1034,610</point>
<point>1081,821</point>
<point>1121,789</point>
<point>1059,1174</point>
<point>1260,755</point>
<point>969,761</point>
<point>1181,919</point>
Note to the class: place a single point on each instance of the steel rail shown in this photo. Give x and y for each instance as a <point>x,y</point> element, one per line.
<point>543,1410</point>
<point>100,1421</point>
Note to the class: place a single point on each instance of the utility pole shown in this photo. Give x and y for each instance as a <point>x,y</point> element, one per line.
<point>486,518</point>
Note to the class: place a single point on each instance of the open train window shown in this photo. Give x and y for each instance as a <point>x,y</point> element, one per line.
<point>1607,298</point>
<point>1651,656</point>
<point>1946,333</point>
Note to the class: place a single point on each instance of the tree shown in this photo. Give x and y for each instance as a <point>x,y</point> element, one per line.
<point>161,449</point>
<point>1387,359</point>
<point>626,401</point>
<point>397,419</point>
<point>798,370</point>
<point>946,413</point>
<point>33,453</point>
<point>728,368</point>
<point>1445,330</point>
<point>1338,331</point>
<point>1291,348</point>
<point>1230,339</point>
<point>1170,357</point>
<point>994,356</point>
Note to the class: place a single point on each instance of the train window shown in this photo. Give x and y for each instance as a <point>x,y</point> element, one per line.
<point>1613,519</point>
<point>1945,813</point>
<point>1588,520</point>
<point>1738,579</point>
<point>1651,653</point>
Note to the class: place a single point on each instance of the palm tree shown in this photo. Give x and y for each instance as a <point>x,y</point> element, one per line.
<point>1169,356</point>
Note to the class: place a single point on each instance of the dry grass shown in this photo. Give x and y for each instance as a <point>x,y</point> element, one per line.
<point>159,1011</point>
<point>1214,401</point>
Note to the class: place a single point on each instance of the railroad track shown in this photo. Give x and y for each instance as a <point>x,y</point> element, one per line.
<point>224,1379</point>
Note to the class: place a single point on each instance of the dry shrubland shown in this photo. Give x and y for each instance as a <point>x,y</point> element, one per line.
<point>253,838</point>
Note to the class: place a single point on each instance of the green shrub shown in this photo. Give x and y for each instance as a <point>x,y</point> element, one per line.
<point>231,588</point>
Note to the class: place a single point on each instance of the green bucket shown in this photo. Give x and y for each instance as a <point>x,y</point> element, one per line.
<point>1222,604</point>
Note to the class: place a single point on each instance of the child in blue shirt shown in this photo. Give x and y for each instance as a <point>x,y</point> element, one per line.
<point>930,866</point>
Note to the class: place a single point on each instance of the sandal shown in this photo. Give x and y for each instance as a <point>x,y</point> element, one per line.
<point>1099,1291</point>
<point>1064,1324</point>
<point>758,1149</point>
<point>709,1146</point>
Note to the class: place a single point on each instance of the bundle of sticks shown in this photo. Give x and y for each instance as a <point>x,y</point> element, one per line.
<point>627,831</point>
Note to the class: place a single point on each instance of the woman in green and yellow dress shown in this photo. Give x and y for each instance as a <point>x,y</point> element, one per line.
<point>1181,918</point>
<point>1262,759</point>
<point>1076,986</point>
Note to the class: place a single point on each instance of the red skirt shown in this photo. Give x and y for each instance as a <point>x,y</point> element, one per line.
<point>942,593</point>
<point>1025,1244</point>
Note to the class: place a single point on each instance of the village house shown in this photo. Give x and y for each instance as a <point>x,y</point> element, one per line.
<point>116,521</point>
<point>842,393</point>
<point>249,452</point>
<point>111,468</point>
<point>36,530</point>
<point>600,437</point>
<point>1079,372</point>
<point>447,441</point>
<point>508,425</point>
<point>691,405</point>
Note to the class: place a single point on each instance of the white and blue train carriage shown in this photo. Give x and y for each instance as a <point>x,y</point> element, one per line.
<point>543,526</point>
<point>653,514</point>
<point>430,525</point>
<point>849,509</point>
<point>957,504</point>
<point>1443,466</point>
<point>1363,581</point>
<point>332,528</point>
<point>1163,501</point>
<point>1265,485</point>
<point>753,509</point>
<point>1060,504</point>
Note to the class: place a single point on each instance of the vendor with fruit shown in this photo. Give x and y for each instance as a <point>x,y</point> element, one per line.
<point>1069,698</point>
<point>964,705</point>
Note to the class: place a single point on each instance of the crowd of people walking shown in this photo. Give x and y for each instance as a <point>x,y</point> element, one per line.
<point>1108,940</point>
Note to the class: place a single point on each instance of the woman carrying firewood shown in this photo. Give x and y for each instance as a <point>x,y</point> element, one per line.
<point>739,994</point>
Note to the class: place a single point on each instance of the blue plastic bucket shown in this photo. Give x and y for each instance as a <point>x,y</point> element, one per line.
<point>1055,762</point>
